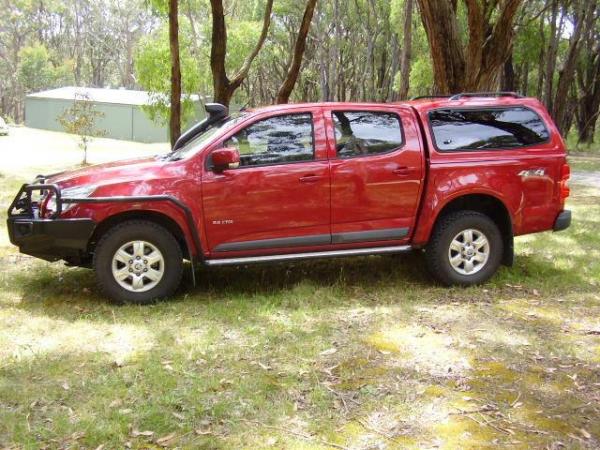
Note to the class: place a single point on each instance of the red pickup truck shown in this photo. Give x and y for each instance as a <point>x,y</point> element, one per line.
<point>456,177</point>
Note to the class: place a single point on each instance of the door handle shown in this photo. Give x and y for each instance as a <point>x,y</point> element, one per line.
<point>309,178</point>
<point>402,171</point>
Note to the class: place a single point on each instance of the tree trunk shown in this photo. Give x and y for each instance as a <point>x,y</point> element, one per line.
<point>283,95</point>
<point>394,67</point>
<point>406,51</point>
<point>542,56</point>
<point>335,84</point>
<point>551,57</point>
<point>175,116</point>
<point>476,67</point>
<point>223,87</point>
<point>441,26</point>
<point>525,79</point>
<point>588,80</point>
<point>508,76</point>
<point>584,20</point>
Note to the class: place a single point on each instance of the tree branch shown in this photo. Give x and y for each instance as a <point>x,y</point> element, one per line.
<point>292,75</point>
<point>243,72</point>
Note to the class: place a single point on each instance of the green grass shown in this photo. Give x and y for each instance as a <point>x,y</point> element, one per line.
<point>575,147</point>
<point>348,353</point>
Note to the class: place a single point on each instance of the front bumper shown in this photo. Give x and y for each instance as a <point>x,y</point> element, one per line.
<point>563,221</point>
<point>51,239</point>
<point>47,238</point>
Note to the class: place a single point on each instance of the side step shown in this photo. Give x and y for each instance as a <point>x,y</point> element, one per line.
<point>300,256</point>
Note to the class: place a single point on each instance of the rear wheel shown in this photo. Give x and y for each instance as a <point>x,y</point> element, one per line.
<point>465,248</point>
<point>138,262</point>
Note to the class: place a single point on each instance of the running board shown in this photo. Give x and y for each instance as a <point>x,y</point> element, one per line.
<point>300,256</point>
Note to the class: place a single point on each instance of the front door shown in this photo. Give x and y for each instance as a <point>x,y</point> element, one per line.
<point>278,199</point>
<point>376,174</point>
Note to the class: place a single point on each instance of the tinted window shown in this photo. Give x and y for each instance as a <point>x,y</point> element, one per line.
<point>275,140</point>
<point>487,128</point>
<point>366,133</point>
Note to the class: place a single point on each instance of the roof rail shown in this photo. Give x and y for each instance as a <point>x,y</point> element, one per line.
<point>485,94</point>
<point>420,97</point>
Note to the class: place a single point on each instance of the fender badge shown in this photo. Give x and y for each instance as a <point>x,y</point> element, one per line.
<point>532,173</point>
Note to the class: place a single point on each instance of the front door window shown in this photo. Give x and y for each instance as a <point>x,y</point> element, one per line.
<point>276,140</point>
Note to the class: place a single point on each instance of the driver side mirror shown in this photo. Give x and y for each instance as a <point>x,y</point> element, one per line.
<point>225,158</point>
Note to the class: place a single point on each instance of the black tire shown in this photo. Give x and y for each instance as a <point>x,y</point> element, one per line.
<point>438,248</point>
<point>138,230</point>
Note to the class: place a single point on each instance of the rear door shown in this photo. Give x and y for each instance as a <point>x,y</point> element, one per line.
<point>376,173</point>
<point>279,198</point>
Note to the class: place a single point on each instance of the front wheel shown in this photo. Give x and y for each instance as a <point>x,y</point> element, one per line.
<point>138,262</point>
<point>465,249</point>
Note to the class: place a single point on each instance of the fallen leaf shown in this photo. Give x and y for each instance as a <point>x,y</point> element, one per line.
<point>329,351</point>
<point>585,433</point>
<point>77,435</point>
<point>65,386</point>
<point>115,403</point>
<point>201,432</point>
<point>147,433</point>
<point>167,440</point>
<point>536,292</point>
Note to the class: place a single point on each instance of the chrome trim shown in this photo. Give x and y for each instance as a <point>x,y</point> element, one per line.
<point>300,256</point>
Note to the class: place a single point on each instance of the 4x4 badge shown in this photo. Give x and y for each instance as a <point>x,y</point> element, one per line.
<point>532,173</point>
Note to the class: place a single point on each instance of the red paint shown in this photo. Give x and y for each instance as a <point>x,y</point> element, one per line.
<point>405,188</point>
<point>223,157</point>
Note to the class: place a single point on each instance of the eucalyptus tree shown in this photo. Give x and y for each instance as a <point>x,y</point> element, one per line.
<point>471,64</point>
<point>223,86</point>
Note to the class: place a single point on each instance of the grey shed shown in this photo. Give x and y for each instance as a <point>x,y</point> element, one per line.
<point>123,115</point>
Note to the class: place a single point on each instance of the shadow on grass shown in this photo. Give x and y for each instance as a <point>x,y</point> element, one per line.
<point>65,293</point>
<point>228,390</point>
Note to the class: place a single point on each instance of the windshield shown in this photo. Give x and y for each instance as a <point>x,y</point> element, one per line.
<point>197,143</point>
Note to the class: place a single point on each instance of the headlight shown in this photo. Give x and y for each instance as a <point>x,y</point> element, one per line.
<point>73,192</point>
<point>78,191</point>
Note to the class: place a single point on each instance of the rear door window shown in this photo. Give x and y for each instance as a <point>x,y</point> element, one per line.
<point>487,129</point>
<point>363,133</point>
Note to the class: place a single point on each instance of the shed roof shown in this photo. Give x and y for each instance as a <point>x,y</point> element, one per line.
<point>99,95</point>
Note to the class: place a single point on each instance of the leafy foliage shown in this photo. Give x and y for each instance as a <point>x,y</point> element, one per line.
<point>81,119</point>
<point>353,51</point>
<point>152,68</point>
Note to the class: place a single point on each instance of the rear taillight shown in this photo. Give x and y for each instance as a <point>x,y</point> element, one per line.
<point>565,174</point>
